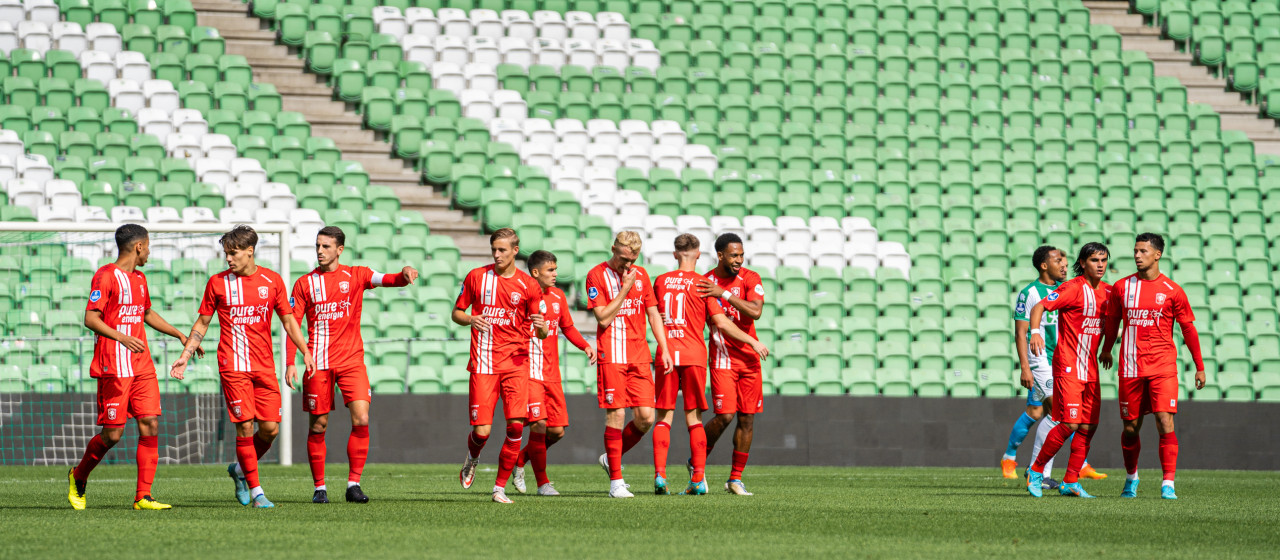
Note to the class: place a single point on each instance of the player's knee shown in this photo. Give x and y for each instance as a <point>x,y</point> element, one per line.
<point>148,426</point>
<point>319,424</point>
<point>360,420</point>
<point>481,431</point>
<point>554,434</point>
<point>746,420</point>
<point>1035,412</point>
<point>268,430</point>
<point>724,418</point>
<point>111,436</point>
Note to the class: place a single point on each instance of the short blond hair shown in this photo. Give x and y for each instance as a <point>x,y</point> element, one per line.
<point>628,239</point>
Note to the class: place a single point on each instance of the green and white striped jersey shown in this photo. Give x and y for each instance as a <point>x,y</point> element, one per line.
<point>1027,299</point>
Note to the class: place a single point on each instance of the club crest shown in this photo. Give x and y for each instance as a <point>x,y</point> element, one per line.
<point>235,411</point>
<point>555,307</point>
<point>344,286</point>
<point>537,411</point>
<point>608,398</point>
<point>262,292</point>
<point>111,413</point>
<point>515,298</point>
<point>1160,299</point>
<point>311,404</point>
<point>474,414</point>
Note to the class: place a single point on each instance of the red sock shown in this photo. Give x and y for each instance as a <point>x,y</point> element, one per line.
<point>148,456</point>
<point>1079,451</point>
<point>661,444</point>
<point>316,453</point>
<point>475,443</point>
<point>357,451</point>
<point>1052,444</point>
<point>93,454</point>
<point>248,458</point>
<point>260,446</point>
<point>613,449</point>
<point>537,452</point>
<point>1131,446</point>
<point>698,451</point>
<point>631,436</point>
<point>523,457</point>
<point>1169,454</point>
<point>739,463</point>
<point>507,458</point>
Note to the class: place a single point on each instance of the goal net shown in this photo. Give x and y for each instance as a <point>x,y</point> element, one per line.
<point>48,407</point>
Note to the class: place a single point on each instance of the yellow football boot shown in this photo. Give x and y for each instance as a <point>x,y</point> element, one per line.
<point>1088,472</point>
<point>147,502</point>
<point>75,492</point>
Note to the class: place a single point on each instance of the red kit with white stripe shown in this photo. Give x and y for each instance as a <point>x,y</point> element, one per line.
<point>623,340</point>
<point>244,305</point>
<point>506,303</point>
<point>1149,310</point>
<point>332,302</point>
<point>1081,313</point>
<point>123,300</point>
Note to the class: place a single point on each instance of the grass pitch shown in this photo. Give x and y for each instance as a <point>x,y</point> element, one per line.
<point>420,511</point>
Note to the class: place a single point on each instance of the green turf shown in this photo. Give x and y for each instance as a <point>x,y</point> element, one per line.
<point>419,510</point>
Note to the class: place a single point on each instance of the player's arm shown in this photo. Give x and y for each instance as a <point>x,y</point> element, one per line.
<point>198,331</point>
<point>1190,336</point>
<point>726,326</point>
<point>465,299</point>
<point>301,304</point>
<point>93,321</point>
<point>1036,341</point>
<point>406,276</point>
<point>660,334</point>
<point>1020,329</point>
<point>752,309</point>
<point>286,313</point>
<point>534,306</point>
<point>1110,328</point>
<point>155,321</point>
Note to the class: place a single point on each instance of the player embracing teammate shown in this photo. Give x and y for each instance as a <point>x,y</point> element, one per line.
<point>1082,304</point>
<point>1149,303</point>
<point>685,312</point>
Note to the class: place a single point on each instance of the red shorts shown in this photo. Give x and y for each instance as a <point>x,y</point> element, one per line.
<point>738,391</point>
<point>122,398</point>
<point>691,380</point>
<point>1144,395</point>
<point>546,402</point>
<point>251,396</point>
<point>484,390</point>
<point>318,390</point>
<point>1075,401</point>
<point>624,385</point>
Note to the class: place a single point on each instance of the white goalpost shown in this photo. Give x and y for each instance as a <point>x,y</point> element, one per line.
<point>190,241</point>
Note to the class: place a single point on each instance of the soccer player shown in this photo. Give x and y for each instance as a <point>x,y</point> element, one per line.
<point>548,415</point>
<point>1037,373</point>
<point>684,314</point>
<point>620,295</point>
<point>119,304</point>
<point>1081,304</point>
<point>506,306</point>
<point>1149,303</point>
<point>244,296</point>
<point>737,380</point>
<point>331,297</point>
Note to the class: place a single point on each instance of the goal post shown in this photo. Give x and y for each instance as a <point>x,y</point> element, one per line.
<point>42,262</point>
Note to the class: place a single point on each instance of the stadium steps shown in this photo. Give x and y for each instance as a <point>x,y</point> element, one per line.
<point>306,93</point>
<point>1202,87</point>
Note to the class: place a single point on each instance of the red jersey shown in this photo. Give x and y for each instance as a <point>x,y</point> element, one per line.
<point>244,305</point>
<point>1149,310</point>
<point>622,341</point>
<point>331,301</point>
<point>729,353</point>
<point>506,303</point>
<point>544,355</point>
<point>685,315</point>
<point>1081,310</point>
<point>123,300</point>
